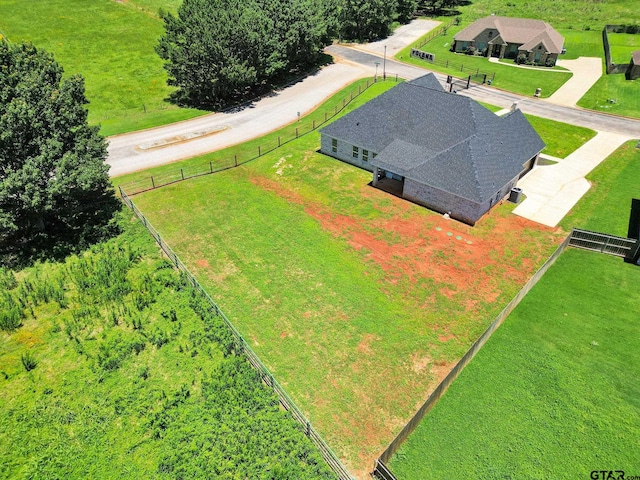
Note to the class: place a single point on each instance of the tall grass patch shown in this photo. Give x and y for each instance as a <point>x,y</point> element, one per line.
<point>110,372</point>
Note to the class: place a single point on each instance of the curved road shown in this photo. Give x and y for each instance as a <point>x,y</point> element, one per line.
<point>147,148</point>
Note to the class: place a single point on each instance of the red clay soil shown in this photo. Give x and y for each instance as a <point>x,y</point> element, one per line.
<point>447,251</point>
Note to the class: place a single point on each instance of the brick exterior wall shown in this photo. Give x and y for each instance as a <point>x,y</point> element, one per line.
<point>345,152</point>
<point>461,209</point>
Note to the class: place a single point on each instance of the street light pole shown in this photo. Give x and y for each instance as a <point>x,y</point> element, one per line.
<point>384,64</point>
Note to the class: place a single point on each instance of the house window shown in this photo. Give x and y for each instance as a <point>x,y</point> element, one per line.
<point>355,153</point>
<point>365,155</point>
<point>375,155</point>
<point>334,145</point>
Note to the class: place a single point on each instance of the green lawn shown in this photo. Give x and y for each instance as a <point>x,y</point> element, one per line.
<point>511,78</point>
<point>606,206</point>
<point>614,94</point>
<point>561,138</point>
<point>622,46</point>
<point>576,14</point>
<point>580,43</point>
<point>358,301</point>
<point>112,45</point>
<point>133,378</point>
<point>553,393</point>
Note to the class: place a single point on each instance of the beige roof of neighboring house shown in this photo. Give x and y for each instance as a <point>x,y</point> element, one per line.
<point>635,57</point>
<point>525,31</point>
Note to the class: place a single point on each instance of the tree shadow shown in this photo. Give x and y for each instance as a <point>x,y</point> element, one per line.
<point>252,94</point>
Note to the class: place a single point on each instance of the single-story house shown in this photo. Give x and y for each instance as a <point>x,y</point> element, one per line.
<point>633,70</point>
<point>506,37</point>
<point>434,148</point>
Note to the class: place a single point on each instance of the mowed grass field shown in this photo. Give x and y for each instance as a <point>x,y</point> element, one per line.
<point>358,301</point>
<point>111,44</point>
<point>577,14</point>
<point>553,393</point>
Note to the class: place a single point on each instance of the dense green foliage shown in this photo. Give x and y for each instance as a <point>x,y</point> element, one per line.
<point>439,7</point>
<point>121,370</point>
<point>55,194</point>
<point>365,20</point>
<point>553,393</point>
<point>219,51</point>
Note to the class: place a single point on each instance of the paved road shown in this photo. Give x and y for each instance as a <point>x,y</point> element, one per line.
<point>157,146</point>
<point>539,107</point>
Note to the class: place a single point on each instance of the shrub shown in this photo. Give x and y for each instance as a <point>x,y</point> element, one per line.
<point>521,58</point>
<point>28,361</point>
<point>471,50</point>
<point>550,62</point>
<point>7,279</point>
<point>11,314</point>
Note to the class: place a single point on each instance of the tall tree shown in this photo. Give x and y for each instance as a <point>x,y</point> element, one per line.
<point>55,194</point>
<point>365,20</point>
<point>216,51</point>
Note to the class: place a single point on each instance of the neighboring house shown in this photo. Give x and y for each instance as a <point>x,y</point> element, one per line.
<point>506,37</point>
<point>437,149</point>
<point>633,70</point>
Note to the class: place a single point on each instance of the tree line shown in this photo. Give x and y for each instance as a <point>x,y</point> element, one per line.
<point>220,51</point>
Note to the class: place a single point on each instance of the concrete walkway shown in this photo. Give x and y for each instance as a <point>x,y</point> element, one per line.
<point>552,190</point>
<point>586,71</point>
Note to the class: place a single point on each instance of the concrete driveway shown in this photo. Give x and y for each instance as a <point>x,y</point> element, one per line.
<point>586,71</point>
<point>553,190</point>
<point>402,36</point>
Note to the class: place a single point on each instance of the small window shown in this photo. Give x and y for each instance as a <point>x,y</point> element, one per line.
<point>355,152</point>
<point>365,155</point>
<point>334,145</point>
<point>375,155</point>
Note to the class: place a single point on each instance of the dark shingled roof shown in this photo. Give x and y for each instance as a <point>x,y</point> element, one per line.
<point>440,139</point>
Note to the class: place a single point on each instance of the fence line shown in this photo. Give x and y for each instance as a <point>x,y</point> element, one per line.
<point>242,346</point>
<point>473,72</point>
<point>442,30</point>
<point>602,242</point>
<point>219,165</point>
<point>442,387</point>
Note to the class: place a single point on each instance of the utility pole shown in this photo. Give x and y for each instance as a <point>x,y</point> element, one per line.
<point>384,64</point>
